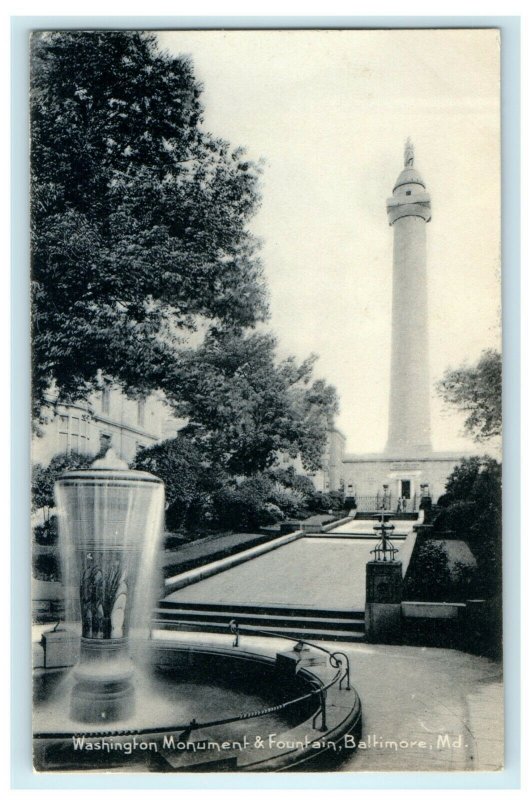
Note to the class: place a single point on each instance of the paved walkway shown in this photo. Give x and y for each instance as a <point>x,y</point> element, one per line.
<point>307,572</point>
<point>448,700</point>
<point>364,526</point>
<point>451,701</point>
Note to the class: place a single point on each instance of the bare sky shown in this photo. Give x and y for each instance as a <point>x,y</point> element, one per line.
<point>329,111</point>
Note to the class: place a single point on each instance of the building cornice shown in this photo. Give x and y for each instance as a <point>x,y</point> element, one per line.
<point>124,426</point>
<point>425,458</point>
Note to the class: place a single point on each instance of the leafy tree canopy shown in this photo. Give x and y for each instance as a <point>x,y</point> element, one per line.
<point>43,478</point>
<point>139,238</point>
<point>245,408</point>
<point>472,509</point>
<point>189,480</point>
<point>138,214</point>
<point>477,391</point>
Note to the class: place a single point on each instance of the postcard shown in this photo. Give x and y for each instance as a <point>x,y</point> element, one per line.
<point>266,387</point>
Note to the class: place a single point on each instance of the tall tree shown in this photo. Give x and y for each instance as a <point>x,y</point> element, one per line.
<point>139,216</point>
<point>245,407</point>
<point>477,390</point>
<point>139,238</point>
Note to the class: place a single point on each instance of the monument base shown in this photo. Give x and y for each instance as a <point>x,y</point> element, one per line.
<point>366,475</point>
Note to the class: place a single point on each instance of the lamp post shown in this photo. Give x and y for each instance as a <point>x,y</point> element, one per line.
<point>383,586</point>
<point>384,550</point>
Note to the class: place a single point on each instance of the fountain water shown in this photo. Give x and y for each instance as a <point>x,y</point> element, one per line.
<point>110,522</point>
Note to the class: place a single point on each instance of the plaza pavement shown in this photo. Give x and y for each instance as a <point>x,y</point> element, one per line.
<point>411,695</point>
<point>307,572</point>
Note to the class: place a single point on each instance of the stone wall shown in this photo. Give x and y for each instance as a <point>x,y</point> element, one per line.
<point>365,476</point>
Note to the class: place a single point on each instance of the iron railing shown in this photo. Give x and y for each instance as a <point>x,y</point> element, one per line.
<point>386,502</point>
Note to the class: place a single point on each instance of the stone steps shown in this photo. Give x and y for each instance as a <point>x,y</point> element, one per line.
<point>304,622</point>
<point>295,632</point>
<point>403,515</point>
<point>354,535</point>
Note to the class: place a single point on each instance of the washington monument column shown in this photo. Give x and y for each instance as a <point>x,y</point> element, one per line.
<point>408,210</point>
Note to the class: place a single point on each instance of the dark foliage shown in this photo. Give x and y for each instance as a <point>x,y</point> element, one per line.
<point>46,568</point>
<point>430,578</point>
<point>473,510</point>
<point>245,407</point>
<point>245,506</point>
<point>189,480</point>
<point>477,391</point>
<point>46,533</point>
<point>43,478</point>
<point>138,215</point>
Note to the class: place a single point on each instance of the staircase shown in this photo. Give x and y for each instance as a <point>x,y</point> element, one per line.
<point>308,623</point>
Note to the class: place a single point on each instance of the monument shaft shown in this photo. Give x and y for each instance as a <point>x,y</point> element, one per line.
<point>409,209</point>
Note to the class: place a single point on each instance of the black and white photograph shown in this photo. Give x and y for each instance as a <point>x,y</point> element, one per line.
<point>266,384</point>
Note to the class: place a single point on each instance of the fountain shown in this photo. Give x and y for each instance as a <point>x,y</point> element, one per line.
<point>134,697</point>
<point>110,522</point>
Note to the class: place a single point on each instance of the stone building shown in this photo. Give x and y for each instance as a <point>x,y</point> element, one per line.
<point>330,477</point>
<point>107,419</point>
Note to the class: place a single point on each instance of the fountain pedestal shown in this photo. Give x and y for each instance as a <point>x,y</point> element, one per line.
<point>103,688</point>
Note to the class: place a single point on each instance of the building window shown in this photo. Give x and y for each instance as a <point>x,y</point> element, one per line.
<point>63,433</point>
<point>105,442</point>
<point>141,412</point>
<point>105,400</point>
<point>74,433</point>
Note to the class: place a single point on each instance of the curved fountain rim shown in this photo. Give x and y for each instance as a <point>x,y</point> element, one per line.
<point>349,714</point>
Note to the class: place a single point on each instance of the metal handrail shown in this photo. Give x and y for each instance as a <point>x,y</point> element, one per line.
<point>384,502</point>
<point>235,628</point>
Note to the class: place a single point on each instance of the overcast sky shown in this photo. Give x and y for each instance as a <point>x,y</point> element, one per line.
<point>329,112</point>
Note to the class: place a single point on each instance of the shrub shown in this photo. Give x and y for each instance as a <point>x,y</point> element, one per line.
<point>428,578</point>
<point>457,517</point>
<point>464,582</point>
<point>290,501</point>
<point>46,532</point>
<point>337,500</point>
<point>46,568</point>
<point>245,506</point>
<point>320,503</point>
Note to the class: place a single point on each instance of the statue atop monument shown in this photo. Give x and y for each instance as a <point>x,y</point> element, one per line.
<point>409,153</point>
